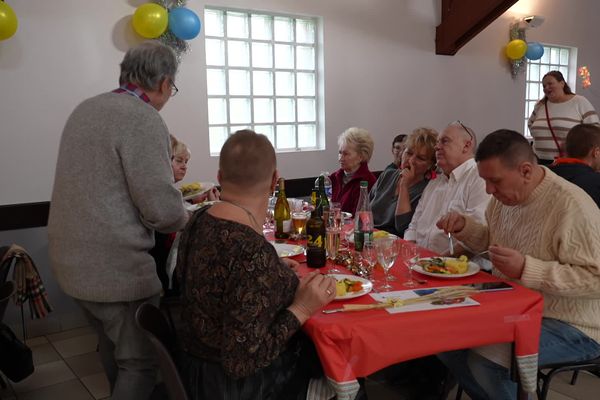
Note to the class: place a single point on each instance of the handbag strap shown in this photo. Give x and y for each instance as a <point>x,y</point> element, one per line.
<point>560,152</point>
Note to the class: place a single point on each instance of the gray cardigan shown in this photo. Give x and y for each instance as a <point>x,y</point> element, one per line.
<point>384,199</point>
<point>113,187</point>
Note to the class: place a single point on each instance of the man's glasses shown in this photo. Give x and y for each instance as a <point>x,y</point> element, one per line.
<point>174,89</point>
<point>465,128</point>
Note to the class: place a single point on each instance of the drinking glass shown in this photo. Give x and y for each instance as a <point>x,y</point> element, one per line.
<point>332,242</point>
<point>409,255</point>
<point>335,215</point>
<point>387,251</point>
<point>369,257</point>
<point>299,219</point>
<point>269,225</point>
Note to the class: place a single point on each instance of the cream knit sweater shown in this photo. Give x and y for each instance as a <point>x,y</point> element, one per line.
<point>558,231</point>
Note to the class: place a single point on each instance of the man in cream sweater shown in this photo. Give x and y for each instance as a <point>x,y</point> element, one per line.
<point>113,187</point>
<point>544,233</point>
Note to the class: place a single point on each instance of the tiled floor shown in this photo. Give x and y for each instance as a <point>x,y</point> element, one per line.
<point>68,367</point>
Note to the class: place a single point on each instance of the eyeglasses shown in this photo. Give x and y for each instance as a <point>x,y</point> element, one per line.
<point>174,89</point>
<point>465,128</point>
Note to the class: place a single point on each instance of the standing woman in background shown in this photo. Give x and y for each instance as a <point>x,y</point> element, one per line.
<point>555,114</point>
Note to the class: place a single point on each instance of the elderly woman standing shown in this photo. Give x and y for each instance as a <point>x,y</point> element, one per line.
<point>555,114</point>
<point>355,151</point>
<point>396,193</point>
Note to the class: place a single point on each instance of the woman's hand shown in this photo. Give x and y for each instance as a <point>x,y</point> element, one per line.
<point>407,175</point>
<point>293,264</point>
<point>314,292</point>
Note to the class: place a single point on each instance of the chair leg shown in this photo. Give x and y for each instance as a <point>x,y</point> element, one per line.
<point>574,377</point>
<point>459,391</point>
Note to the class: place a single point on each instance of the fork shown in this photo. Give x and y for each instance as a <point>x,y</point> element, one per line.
<point>450,243</point>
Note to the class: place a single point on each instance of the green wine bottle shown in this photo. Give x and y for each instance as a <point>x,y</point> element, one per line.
<point>282,215</point>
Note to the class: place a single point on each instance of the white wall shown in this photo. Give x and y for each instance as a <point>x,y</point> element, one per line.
<point>381,73</point>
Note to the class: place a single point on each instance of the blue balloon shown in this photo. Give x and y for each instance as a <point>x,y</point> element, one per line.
<point>535,51</point>
<point>184,23</point>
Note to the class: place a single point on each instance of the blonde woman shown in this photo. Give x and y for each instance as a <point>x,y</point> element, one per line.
<point>355,151</point>
<point>396,193</point>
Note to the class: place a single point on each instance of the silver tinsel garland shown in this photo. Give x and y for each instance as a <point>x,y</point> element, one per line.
<point>516,66</point>
<point>180,46</point>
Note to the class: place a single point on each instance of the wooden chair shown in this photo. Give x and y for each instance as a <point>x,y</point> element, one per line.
<point>152,321</point>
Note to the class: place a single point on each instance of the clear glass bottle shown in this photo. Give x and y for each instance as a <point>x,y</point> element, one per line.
<point>363,218</point>
<point>282,215</point>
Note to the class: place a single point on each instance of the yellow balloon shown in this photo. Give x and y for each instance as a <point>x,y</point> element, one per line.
<point>150,20</point>
<point>8,21</point>
<point>516,49</point>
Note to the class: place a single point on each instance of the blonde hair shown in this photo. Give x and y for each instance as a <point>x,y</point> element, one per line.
<point>178,147</point>
<point>423,138</point>
<point>361,139</point>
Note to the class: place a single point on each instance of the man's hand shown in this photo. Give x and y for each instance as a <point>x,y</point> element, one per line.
<point>508,261</point>
<point>452,222</point>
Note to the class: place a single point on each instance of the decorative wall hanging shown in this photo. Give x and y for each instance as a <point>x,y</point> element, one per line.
<point>584,74</point>
<point>517,50</point>
<point>170,22</point>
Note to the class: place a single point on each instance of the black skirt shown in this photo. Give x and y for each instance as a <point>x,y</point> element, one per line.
<point>286,378</point>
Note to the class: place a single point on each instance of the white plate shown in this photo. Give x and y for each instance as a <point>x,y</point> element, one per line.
<point>472,270</point>
<point>347,215</point>
<point>389,235</point>
<point>287,250</point>
<point>206,186</point>
<point>366,288</point>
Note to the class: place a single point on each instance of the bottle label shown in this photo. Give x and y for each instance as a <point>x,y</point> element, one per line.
<point>315,241</point>
<point>287,225</point>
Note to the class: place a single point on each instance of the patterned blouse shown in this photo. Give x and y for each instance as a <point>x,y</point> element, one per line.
<point>235,294</point>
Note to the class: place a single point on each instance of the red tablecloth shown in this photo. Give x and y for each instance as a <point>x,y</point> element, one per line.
<point>356,344</point>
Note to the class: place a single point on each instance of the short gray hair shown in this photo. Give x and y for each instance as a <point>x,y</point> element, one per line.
<point>148,64</point>
<point>361,139</point>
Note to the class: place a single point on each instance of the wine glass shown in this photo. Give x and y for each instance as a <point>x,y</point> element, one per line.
<point>387,251</point>
<point>369,257</point>
<point>268,225</point>
<point>409,255</point>
<point>332,243</point>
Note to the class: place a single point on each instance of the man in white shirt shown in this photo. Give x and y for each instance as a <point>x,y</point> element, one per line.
<point>459,189</point>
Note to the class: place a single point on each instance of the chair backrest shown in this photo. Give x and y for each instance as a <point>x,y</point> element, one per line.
<point>7,289</point>
<point>151,320</point>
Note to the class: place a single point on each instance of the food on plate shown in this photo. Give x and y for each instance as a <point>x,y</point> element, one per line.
<point>345,286</point>
<point>190,188</point>
<point>380,234</point>
<point>446,265</point>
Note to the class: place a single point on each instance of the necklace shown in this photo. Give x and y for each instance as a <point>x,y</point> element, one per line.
<point>250,215</point>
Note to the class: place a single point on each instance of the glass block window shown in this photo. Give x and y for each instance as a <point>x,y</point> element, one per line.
<point>555,58</point>
<point>261,72</point>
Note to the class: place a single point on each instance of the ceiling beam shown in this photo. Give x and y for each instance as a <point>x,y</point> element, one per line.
<point>462,20</point>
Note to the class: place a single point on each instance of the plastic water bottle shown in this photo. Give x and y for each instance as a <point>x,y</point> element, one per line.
<point>328,187</point>
<point>363,218</point>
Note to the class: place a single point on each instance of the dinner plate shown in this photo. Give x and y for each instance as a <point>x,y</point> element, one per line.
<point>287,250</point>
<point>471,270</point>
<point>366,288</point>
<point>375,237</point>
<point>206,186</point>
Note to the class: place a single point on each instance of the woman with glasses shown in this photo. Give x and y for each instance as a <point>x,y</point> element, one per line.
<point>554,115</point>
<point>396,193</point>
